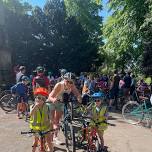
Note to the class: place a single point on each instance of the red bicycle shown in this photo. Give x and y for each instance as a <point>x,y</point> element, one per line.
<point>89,134</point>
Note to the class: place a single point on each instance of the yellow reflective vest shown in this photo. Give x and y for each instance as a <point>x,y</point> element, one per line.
<point>40,121</point>
<point>99,117</point>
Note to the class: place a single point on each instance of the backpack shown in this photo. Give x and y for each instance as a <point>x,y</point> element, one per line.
<point>40,81</point>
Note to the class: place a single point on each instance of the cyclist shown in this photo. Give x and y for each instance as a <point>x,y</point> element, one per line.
<point>55,97</point>
<point>21,91</point>
<point>40,80</point>
<point>99,115</point>
<point>40,117</point>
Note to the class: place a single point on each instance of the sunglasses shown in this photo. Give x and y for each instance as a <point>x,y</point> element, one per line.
<point>97,100</point>
<point>40,98</point>
<point>70,82</point>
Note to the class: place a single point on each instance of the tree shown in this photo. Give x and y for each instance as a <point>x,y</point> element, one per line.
<point>122,31</point>
<point>48,36</point>
<point>87,14</point>
<point>146,32</point>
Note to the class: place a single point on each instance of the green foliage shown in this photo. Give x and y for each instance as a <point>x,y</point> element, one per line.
<point>48,36</point>
<point>146,32</point>
<point>87,14</point>
<point>122,32</point>
<point>17,6</point>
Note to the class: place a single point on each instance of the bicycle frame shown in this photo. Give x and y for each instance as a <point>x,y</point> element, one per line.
<point>141,110</point>
<point>90,134</point>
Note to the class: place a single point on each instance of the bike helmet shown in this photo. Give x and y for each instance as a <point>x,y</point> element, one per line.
<point>98,95</point>
<point>25,78</point>
<point>63,71</point>
<point>41,91</point>
<point>69,76</point>
<point>40,69</point>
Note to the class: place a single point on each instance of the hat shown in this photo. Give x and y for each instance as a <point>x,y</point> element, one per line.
<point>40,69</point>
<point>21,68</point>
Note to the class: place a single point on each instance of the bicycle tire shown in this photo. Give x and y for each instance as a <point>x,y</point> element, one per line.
<point>69,137</point>
<point>5,92</point>
<point>8,103</point>
<point>132,112</point>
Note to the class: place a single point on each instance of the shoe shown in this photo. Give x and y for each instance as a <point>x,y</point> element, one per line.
<point>19,117</point>
<point>57,141</point>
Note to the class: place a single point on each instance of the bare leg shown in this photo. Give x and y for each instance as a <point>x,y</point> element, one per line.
<point>35,143</point>
<point>100,133</point>
<point>58,115</point>
<point>48,138</point>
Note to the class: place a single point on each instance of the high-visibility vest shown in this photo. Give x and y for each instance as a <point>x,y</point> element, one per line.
<point>99,115</point>
<point>40,121</point>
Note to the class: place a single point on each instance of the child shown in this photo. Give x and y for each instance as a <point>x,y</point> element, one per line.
<point>40,117</point>
<point>99,116</point>
<point>20,90</point>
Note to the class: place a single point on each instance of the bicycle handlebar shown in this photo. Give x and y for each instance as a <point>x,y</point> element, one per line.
<point>39,132</point>
<point>98,123</point>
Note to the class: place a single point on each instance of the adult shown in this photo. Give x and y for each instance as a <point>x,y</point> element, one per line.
<point>133,85</point>
<point>55,97</point>
<point>40,80</point>
<point>127,80</point>
<point>20,74</point>
<point>114,90</point>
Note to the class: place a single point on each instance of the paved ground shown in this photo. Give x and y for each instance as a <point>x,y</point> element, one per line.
<point>122,137</point>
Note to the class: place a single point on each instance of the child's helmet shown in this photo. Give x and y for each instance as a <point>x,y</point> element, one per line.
<point>25,78</point>
<point>41,91</point>
<point>98,95</point>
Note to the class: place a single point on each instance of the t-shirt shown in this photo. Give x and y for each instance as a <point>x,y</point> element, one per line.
<point>40,81</point>
<point>116,80</point>
<point>19,75</point>
<point>19,89</point>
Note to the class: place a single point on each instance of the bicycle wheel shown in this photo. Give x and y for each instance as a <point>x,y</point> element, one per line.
<point>8,103</point>
<point>4,93</point>
<point>69,137</point>
<point>132,112</point>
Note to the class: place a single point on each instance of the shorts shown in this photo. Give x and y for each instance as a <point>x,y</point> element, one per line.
<point>58,106</point>
<point>22,99</point>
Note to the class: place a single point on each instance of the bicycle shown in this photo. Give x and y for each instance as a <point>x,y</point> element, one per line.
<point>134,112</point>
<point>67,126</point>
<point>89,134</point>
<point>8,103</point>
<point>41,142</point>
<point>4,92</point>
<point>87,102</point>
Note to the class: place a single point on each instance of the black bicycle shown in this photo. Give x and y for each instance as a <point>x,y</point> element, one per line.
<point>8,102</point>
<point>66,124</point>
